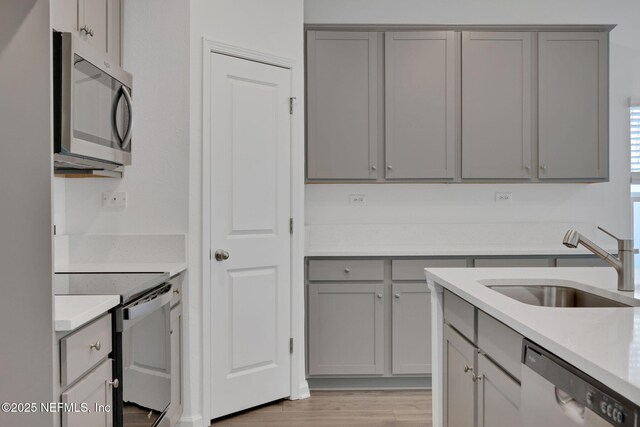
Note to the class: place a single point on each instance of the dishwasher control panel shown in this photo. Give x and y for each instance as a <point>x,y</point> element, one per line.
<point>573,385</point>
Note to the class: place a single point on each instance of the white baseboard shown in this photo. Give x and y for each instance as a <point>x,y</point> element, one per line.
<point>192,421</point>
<point>303,391</point>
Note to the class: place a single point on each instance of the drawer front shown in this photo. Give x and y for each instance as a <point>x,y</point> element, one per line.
<point>413,269</point>
<point>460,314</point>
<point>501,343</point>
<point>581,262</point>
<point>341,270</point>
<point>83,349</point>
<point>94,389</point>
<point>514,262</point>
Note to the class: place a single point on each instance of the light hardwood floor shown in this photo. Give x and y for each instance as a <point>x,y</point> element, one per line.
<point>340,408</point>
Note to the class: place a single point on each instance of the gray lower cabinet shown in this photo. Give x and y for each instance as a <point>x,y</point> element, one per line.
<point>459,389</point>
<point>175,410</point>
<point>346,328</point>
<point>496,105</point>
<point>498,396</point>
<point>481,386</point>
<point>94,391</point>
<point>573,105</point>
<point>411,329</point>
<point>342,104</point>
<point>420,104</point>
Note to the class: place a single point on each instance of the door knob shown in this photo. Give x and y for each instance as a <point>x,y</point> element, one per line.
<point>221,255</point>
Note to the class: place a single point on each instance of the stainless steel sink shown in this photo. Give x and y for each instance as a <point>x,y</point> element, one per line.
<point>555,296</point>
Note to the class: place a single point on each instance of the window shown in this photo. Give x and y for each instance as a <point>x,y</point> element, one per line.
<point>634,119</point>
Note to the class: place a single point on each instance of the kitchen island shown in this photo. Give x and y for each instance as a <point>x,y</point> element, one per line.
<point>603,342</point>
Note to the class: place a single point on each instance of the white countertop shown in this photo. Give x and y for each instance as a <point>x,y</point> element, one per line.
<point>603,342</point>
<point>73,311</point>
<point>468,250</point>
<point>172,268</point>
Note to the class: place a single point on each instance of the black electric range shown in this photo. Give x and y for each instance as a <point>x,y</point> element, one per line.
<point>141,333</point>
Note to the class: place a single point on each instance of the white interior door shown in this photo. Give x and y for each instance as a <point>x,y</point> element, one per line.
<point>250,208</point>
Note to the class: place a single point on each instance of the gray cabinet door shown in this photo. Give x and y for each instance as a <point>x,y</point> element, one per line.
<point>498,396</point>
<point>346,328</point>
<point>342,105</point>
<point>459,388</point>
<point>573,105</point>
<point>94,389</point>
<point>420,125</point>
<point>411,329</point>
<point>92,14</point>
<point>175,409</point>
<point>496,105</point>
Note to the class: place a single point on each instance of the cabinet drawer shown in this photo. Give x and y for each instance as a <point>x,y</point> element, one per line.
<point>460,314</point>
<point>514,262</point>
<point>346,270</point>
<point>581,262</point>
<point>413,269</point>
<point>501,343</point>
<point>83,349</point>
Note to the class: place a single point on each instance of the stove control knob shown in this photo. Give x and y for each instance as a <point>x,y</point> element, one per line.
<point>620,417</point>
<point>590,398</point>
<point>603,407</point>
<point>609,410</point>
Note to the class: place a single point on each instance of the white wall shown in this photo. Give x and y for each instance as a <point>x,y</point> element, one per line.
<point>156,52</point>
<point>26,305</point>
<point>275,27</point>
<point>606,204</point>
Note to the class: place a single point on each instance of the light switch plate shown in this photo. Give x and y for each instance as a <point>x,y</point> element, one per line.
<point>114,199</point>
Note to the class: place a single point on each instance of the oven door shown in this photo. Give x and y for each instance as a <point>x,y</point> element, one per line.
<point>94,106</point>
<point>146,359</point>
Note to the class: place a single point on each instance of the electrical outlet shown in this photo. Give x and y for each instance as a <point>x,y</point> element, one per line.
<point>357,199</point>
<point>503,197</point>
<point>114,199</point>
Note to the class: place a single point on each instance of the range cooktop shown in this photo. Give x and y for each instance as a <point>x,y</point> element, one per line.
<point>128,285</point>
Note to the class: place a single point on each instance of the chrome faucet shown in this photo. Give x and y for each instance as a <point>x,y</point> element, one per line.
<point>623,263</point>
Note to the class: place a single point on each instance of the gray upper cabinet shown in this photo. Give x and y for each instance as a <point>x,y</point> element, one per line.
<point>573,105</point>
<point>342,103</point>
<point>98,22</point>
<point>346,328</point>
<point>411,329</point>
<point>420,83</point>
<point>496,105</point>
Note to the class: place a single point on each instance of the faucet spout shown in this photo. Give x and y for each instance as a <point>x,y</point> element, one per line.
<point>623,263</point>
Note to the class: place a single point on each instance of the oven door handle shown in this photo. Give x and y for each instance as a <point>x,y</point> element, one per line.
<point>140,310</point>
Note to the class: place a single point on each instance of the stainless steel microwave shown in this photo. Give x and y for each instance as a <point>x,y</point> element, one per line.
<point>93,111</point>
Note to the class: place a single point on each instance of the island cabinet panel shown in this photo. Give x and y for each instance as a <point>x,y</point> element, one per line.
<point>573,105</point>
<point>501,342</point>
<point>498,396</point>
<point>346,328</point>
<point>411,328</point>
<point>496,105</point>
<point>460,315</point>
<point>420,102</point>
<point>459,389</point>
<point>342,105</point>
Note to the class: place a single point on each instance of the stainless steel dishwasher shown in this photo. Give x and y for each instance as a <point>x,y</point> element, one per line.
<point>556,394</point>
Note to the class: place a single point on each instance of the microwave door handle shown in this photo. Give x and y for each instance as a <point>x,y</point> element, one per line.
<point>126,140</point>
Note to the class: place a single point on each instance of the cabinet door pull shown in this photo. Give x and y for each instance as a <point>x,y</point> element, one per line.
<point>88,31</point>
<point>379,296</point>
<point>97,345</point>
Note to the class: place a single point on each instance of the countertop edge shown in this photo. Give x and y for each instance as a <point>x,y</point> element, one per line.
<point>100,304</point>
